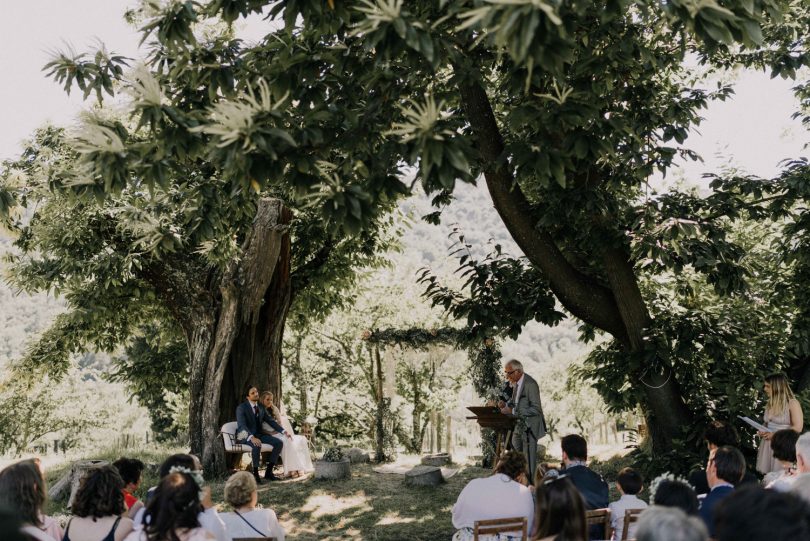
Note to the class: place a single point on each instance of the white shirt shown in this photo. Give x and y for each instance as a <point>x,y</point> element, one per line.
<point>519,385</point>
<point>617,509</point>
<point>492,497</point>
<point>36,533</point>
<point>209,520</point>
<point>264,520</point>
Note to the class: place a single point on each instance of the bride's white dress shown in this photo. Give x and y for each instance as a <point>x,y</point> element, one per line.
<point>295,453</point>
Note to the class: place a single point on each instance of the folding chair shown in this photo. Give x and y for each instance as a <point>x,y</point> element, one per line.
<point>501,525</point>
<point>602,517</point>
<point>630,517</point>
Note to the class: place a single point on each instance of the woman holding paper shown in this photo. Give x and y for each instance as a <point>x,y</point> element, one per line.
<point>781,412</point>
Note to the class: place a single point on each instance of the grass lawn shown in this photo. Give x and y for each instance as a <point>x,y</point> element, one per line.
<point>370,505</point>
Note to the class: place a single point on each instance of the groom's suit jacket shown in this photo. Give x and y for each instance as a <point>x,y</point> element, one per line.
<point>249,422</point>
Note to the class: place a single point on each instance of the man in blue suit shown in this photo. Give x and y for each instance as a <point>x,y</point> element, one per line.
<point>590,484</point>
<point>249,418</point>
<point>724,470</point>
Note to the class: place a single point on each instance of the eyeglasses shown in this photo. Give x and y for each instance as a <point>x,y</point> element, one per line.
<point>510,372</point>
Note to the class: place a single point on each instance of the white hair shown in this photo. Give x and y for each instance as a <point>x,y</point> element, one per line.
<point>514,363</point>
<point>801,487</point>
<point>659,523</point>
<point>803,447</point>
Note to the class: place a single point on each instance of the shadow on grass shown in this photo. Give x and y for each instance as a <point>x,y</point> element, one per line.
<point>370,505</point>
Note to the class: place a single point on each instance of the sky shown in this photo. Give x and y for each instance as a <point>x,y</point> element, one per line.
<point>753,131</point>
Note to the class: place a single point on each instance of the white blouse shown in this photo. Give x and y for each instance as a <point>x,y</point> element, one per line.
<point>264,520</point>
<point>492,497</point>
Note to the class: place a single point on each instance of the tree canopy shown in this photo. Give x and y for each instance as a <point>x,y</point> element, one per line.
<point>564,108</point>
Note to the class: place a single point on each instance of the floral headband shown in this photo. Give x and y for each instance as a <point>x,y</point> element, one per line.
<point>197,475</point>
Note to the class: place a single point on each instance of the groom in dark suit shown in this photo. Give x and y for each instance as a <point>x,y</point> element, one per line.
<point>249,418</point>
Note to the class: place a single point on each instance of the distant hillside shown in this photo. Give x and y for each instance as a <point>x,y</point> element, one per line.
<point>472,212</point>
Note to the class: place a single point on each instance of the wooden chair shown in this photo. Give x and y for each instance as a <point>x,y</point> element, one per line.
<point>601,517</point>
<point>501,525</point>
<point>630,517</point>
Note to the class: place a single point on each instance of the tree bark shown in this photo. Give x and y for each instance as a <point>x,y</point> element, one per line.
<point>233,322</point>
<point>666,412</point>
<point>618,309</point>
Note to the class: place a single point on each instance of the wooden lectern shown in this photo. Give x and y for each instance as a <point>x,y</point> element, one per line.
<point>503,425</point>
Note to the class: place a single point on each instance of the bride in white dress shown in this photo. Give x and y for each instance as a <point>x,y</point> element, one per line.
<point>295,453</point>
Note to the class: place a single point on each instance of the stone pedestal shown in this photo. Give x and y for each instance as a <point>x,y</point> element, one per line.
<point>439,459</point>
<point>424,476</point>
<point>333,470</point>
<point>356,455</point>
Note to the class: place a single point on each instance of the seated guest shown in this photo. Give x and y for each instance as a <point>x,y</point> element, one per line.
<point>660,523</point>
<point>629,483</point>
<point>502,495</point>
<point>23,491</point>
<point>783,446</point>
<point>801,487</point>
<point>209,518</point>
<point>723,471</point>
<point>15,530</point>
<point>131,471</point>
<point>246,520</point>
<point>173,512</point>
<point>589,483</point>
<point>752,513</point>
<point>295,455</point>
<point>97,508</point>
<point>560,510</point>
<point>803,453</point>
<point>717,434</point>
<point>678,494</point>
<point>541,471</point>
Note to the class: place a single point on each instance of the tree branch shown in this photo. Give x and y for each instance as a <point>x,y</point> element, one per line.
<point>581,295</point>
<point>301,278</point>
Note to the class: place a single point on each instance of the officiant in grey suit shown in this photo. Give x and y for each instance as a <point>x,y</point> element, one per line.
<point>525,404</point>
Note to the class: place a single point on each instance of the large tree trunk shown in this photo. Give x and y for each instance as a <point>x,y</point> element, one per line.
<point>665,410</point>
<point>235,340</point>
<point>618,309</point>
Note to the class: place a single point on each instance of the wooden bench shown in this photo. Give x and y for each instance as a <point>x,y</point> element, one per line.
<point>233,448</point>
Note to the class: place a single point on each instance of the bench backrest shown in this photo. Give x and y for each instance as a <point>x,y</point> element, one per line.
<point>228,432</point>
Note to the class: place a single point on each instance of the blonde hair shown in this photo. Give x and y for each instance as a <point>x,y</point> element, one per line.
<point>239,489</point>
<point>273,408</point>
<point>781,395</point>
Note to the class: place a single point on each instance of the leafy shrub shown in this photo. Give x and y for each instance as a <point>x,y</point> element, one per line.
<point>333,454</point>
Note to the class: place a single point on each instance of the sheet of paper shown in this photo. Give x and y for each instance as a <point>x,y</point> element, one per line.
<point>761,428</point>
